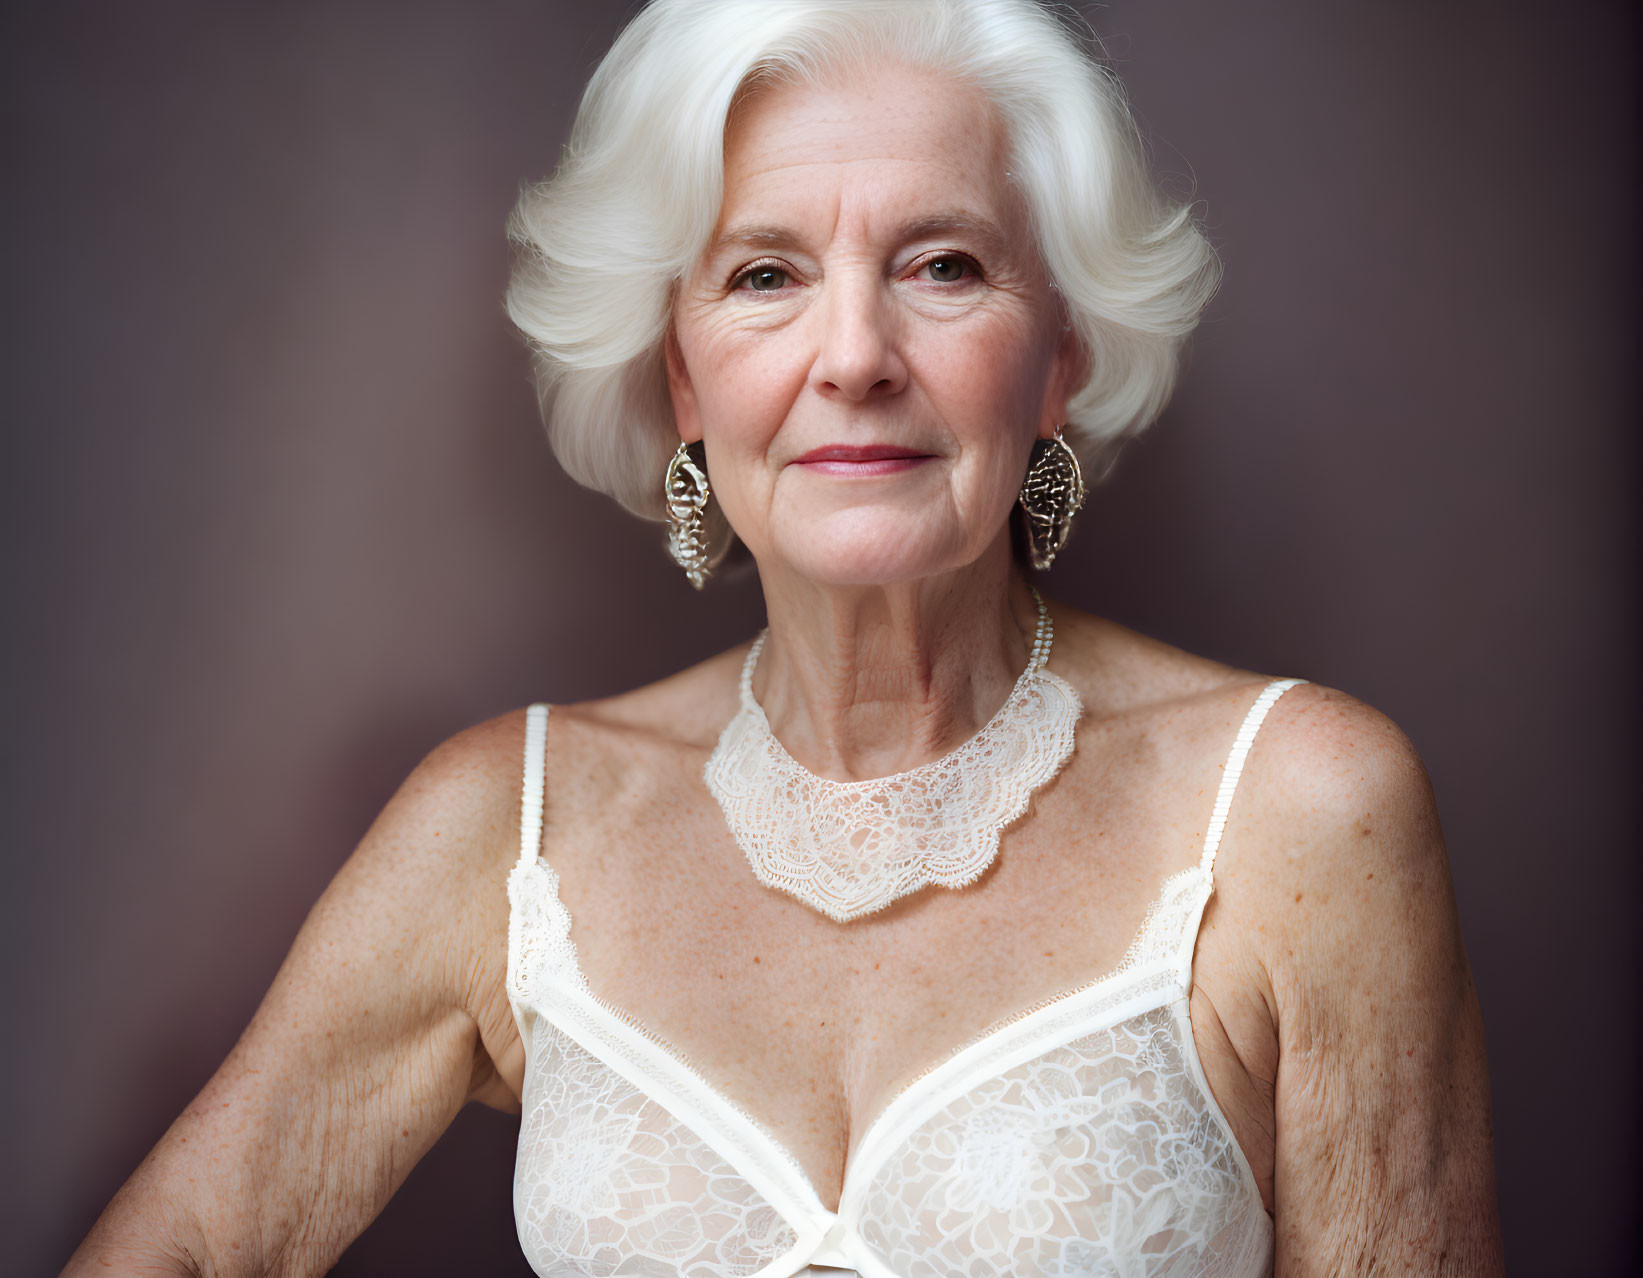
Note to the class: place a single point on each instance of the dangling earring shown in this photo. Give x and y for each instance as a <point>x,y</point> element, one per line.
<point>1051,495</point>
<point>686,492</point>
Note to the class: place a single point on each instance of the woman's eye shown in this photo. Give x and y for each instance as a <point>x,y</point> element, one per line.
<point>764,279</point>
<point>946,270</point>
<point>773,279</point>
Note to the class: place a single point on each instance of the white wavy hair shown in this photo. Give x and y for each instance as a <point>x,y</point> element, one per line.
<point>601,246</point>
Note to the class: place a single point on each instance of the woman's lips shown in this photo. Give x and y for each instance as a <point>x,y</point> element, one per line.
<point>861,460</point>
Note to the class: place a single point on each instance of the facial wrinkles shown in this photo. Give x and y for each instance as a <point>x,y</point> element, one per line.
<point>851,275</point>
<point>875,141</point>
<point>858,345</point>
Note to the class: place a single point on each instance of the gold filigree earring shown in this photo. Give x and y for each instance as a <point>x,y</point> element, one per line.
<point>1052,493</point>
<point>686,492</point>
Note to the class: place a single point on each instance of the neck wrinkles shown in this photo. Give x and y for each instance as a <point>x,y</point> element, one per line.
<point>864,682</point>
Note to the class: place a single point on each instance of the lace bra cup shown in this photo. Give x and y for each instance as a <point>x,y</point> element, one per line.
<point>1079,1137</point>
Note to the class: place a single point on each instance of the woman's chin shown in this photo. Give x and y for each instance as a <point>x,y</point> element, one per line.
<point>858,548</point>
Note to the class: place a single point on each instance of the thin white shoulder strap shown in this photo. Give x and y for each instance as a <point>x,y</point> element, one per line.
<point>530,806</point>
<point>1235,765</point>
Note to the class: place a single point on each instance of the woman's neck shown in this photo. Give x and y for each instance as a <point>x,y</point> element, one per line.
<point>865,681</point>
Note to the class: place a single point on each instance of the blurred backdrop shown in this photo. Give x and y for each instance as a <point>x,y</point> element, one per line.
<point>278,515</point>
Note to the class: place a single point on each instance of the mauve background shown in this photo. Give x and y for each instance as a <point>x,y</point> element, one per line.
<point>278,515</point>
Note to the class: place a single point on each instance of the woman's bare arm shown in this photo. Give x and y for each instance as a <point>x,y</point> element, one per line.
<point>382,1021</point>
<point>1385,1160</point>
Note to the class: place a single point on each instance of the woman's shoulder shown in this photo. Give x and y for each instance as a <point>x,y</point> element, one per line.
<point>454,824</point>
<point>1319,753</point>
<point>1332,843</point>
<point>1336,815</point>
<point>1334,823</point>
<point>457,812</point>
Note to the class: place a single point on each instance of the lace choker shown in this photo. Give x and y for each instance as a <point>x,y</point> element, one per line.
<point>849,848</point>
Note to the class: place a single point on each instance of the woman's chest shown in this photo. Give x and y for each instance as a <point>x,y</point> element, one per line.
<point>1011,1069</point>
<point>815,1028</point>
<point>1077,1130</point>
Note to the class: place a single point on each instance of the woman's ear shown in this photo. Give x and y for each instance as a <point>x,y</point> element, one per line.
<point>686,414</point>
<point>1069,369</point>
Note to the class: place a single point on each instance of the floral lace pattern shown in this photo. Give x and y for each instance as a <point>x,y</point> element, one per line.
<point>848,848</point>
<point>1096,1158</point>
<point>608,1182</point>
<point>1102,1155</point>
<point>539,944</point>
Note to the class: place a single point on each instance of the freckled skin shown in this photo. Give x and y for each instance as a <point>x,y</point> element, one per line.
<point>1332,1006</point>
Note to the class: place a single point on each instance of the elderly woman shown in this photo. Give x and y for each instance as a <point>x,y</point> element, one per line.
<point>941,929</point>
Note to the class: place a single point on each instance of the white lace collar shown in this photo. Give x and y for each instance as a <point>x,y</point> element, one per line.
<point>849,848</point>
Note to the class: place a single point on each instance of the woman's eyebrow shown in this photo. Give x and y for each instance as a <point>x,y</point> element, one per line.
<point>753,237</point>
<point>972,226</point>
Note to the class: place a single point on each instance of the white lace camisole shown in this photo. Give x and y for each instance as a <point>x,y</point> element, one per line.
<point>1077,1138</point>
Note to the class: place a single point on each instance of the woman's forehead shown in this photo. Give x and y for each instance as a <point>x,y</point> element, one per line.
<point>901,103</point>
<point>900,138</point>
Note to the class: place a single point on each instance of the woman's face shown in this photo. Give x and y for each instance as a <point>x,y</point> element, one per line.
<point>868,345</point>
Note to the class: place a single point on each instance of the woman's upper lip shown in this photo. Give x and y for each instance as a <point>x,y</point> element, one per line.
<point>859,453</point>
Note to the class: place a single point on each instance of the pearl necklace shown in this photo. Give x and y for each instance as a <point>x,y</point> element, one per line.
<point>849,848</point>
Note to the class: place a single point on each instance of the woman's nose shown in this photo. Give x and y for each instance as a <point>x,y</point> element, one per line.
<point>857,353</point>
